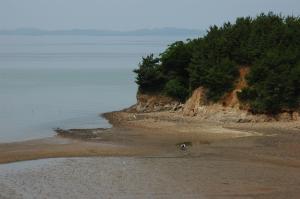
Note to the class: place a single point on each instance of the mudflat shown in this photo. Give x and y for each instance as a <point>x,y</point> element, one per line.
<point>222,160</point>
<point>148,135</point>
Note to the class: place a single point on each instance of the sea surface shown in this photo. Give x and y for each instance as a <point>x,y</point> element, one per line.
<point>49,82</point>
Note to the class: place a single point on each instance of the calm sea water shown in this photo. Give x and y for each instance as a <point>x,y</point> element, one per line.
<point>66,82</point>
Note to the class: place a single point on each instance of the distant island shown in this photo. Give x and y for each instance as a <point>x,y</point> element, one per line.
<point>95,32</point>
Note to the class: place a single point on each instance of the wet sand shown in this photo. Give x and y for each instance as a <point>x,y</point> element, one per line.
<point>140,158</point>
<point>141,137</point>
<point>163,177</point>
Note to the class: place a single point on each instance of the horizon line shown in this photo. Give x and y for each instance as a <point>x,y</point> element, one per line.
<point>102,32</point>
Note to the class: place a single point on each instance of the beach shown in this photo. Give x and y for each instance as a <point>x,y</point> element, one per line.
<point>132,100</point>
<point>140,156</point>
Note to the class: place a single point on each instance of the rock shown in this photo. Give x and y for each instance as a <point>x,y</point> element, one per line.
<point>140,108</point>
<point>167,107</point>
<point>197,99</point>
<point>244,120</point>
<point>154,103</point>
<point>286,116</point>
<point>295,116</point>
<point>175,107</point>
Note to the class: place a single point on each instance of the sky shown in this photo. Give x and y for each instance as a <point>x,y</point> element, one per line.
<point>133,14</point>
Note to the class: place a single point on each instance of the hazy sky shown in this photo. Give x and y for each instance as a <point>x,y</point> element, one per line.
<point>133,14</point>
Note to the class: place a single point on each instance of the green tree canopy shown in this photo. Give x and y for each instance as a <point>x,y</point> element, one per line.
<point>269,44</point>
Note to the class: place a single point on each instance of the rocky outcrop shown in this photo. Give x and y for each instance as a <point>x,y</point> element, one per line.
<point>155,103</point>
<point>197,106</point>
<point>228,109</point>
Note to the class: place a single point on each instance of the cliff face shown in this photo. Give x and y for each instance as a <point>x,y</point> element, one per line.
<point>197,106</point>
<point>228,109</point>
<point>197,100</point>
<point>231,98</point>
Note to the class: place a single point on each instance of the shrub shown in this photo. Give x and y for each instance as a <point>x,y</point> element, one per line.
<point>174,88</point>
<point>149,76</point>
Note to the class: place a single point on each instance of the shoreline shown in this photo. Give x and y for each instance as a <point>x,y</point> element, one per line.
<point>126,137</point>
<point>222,160</point>
<point>142,134</point>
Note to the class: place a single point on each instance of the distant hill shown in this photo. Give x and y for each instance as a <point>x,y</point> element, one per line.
<point>95,32</point>
<point>253,63</point>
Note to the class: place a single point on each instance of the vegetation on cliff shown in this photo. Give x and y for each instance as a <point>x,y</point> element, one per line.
<point>269,44</point>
